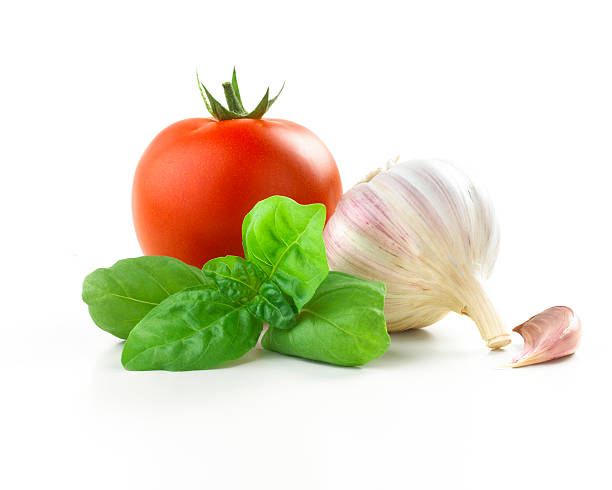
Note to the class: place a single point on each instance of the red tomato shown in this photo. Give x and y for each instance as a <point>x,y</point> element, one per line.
<point>199,177</point>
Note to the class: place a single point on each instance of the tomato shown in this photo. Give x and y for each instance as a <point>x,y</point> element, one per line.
<point>199,177</point>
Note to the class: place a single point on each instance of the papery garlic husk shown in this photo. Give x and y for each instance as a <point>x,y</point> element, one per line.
<point>425,230</point>
<point>548,335</point>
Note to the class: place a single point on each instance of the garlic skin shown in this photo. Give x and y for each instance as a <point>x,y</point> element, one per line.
<point>426,231</point>
<point>548,335</point>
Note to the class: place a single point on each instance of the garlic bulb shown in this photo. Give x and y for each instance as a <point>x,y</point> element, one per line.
<point>425,230</point>
<point>548,335</point>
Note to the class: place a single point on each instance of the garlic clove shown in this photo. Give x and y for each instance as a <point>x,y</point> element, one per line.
<point>548,335</point>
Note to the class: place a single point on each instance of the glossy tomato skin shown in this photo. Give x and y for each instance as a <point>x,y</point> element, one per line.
<point>199,177</point>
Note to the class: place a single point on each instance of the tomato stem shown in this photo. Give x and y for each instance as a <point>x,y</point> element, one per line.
<point>233,102</point>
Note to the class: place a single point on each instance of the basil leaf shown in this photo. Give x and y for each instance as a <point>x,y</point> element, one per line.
<point>243,282</point>
<point>120,296</point>
<point>236,278</point>
<point>342,324</point>
<point>197,328</point>
<point>271,306</point>
<point>284,239</point>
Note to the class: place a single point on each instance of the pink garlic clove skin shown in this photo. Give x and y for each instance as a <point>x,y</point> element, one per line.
<point>548,335</point>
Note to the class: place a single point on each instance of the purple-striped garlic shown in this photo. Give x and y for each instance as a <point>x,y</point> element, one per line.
<point>548,335</point>
<point>425,230</point>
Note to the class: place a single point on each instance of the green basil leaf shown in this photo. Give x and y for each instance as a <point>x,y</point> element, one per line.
<point>197,328</point>
<point>243,282</point>
<point>285,240</point>
<point>120,296</point>
<point>272,307</point>
<point>343,324</point>
<point>235,277</point>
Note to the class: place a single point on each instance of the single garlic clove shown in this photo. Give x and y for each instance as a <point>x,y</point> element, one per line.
<point>548,335</point>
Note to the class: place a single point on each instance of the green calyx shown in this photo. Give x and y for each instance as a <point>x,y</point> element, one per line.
<point>235,109</point>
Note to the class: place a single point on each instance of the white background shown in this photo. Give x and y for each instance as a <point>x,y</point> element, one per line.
<point>517,93</point>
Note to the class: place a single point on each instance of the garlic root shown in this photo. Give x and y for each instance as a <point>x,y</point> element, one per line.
<point>480,309</point>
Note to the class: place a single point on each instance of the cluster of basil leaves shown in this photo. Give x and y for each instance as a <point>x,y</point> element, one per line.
<point>177,317</point>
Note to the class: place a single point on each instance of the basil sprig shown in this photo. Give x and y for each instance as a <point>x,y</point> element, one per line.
<point>177,318</point>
